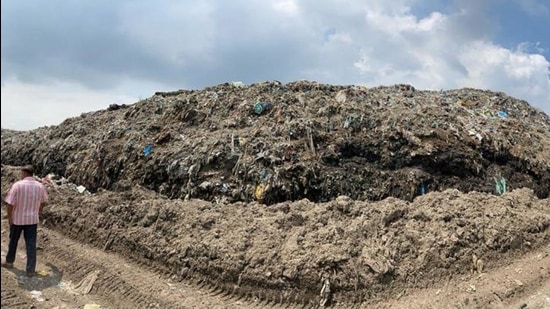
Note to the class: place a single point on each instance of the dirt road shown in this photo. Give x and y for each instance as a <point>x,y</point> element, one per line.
<point>74,275</point>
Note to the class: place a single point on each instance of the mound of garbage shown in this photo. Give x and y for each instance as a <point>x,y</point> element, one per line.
<point>275,142</point>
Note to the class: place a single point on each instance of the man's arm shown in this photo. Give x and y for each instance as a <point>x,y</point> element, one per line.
<point>41,207</point>
<point>10,213</point>
<point>11,200</point>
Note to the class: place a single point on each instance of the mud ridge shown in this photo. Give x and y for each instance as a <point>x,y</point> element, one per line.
<point>369,252</point>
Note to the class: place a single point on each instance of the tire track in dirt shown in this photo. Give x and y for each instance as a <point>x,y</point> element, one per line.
<point>126,284</point>
<point>193,282</point>
<point>12,295</point>
<point>131,286</point>
<point>114,289</point>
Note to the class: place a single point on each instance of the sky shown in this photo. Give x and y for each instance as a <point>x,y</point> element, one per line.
<point>62,58</point>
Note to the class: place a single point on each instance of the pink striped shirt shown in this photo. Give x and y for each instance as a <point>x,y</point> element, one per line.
<point>25,196</point>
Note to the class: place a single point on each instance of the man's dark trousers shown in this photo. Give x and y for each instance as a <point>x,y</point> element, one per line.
<point>29,232</point>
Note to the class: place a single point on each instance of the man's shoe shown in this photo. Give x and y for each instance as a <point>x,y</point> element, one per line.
<point>7,265</point>
<point>31,274</point>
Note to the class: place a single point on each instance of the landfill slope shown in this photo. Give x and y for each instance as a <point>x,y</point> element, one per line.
<point>274,142</point>
<point>301,193</point>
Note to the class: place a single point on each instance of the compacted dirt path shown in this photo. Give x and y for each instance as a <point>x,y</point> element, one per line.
<point>74,275</point>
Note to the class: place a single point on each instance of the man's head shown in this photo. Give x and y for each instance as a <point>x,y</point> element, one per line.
<point>27,171</point>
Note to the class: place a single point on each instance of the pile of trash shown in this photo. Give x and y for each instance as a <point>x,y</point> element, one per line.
<point>274,142</point>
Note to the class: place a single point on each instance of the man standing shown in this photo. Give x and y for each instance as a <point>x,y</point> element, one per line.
<point>25,200</point>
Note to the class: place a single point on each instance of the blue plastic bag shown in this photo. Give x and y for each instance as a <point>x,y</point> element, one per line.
<point>260,107</point>
<point>147,150</point>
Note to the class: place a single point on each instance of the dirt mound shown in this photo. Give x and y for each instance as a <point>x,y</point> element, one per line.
<point>343,251</point>
<point>278,142</point>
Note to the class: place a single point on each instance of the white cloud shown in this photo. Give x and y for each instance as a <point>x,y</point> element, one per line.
<point>395,25</point>
<point>170,45</point>
<point>430,53</point>
<point>515,72</point>
<point>176,31</point>
<point>530,47</point>
<point>287,7</point>
<point>27,106</point>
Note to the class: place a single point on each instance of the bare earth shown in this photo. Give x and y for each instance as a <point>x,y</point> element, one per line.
<point>521,283</point>
<point>78,270</point>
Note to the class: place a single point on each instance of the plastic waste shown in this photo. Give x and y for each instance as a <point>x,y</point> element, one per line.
<point>42,273</point>
<point>37,295</point>
<point>422,189</point>
<point>147,150</point>
<point>260,107</point>
<point>503,114</point>
<point>238,84</point>
<point>261,190</point>
<point>500,185</point>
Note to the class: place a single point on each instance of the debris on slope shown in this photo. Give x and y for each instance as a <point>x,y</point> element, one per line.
<point>274,142</point>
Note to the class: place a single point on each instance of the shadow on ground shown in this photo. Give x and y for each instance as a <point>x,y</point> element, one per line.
<point>49,277</point>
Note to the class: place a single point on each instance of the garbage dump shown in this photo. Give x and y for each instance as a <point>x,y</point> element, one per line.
<point>301,193</point>
<point>272,142</point>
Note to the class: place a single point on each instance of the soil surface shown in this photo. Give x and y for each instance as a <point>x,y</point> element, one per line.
<point>146,251</point>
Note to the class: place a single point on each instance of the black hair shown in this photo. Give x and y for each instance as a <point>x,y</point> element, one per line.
<point>28,169</point>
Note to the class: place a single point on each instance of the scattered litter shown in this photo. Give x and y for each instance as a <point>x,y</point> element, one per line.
<point>42,273</point>
<point>81,189</point>
<point>22,256</point>
<point>341,97</point>
<point>37,295</point>
<point>500,185</point>
<point>325,293</point>
<point>147,150</point>
<point>322,140</point>
<point>64,285</point>
<point>238,84</point>
<point>86,284</point>
<point>260,107</point>
<point>422,189</point>
<point>92,306</point>
<point>260,192</point>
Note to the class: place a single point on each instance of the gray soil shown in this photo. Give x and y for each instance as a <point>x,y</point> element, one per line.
<point>367,251</point>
